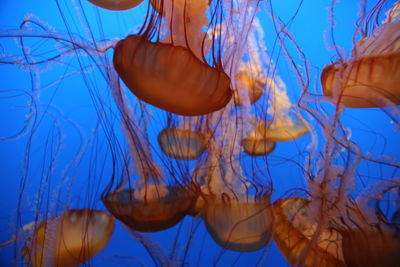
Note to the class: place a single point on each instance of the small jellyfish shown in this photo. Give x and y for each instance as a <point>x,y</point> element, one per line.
<point>116,4</point>
<point>257,145</point>
<point>294,231</point>
<point>286,130</point>
<point>69,239</point>
<point>170,77</point>
<point>253,84</point>
<point>371,76</point>
<point>181,143</point>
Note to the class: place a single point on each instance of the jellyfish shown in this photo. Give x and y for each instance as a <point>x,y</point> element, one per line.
<point>235,220</point>
<point>181,144</point>
<point>252,83</point>
<point>293,233</point>
<point>173,75</point>
<point>69,239</point>
<point>370,77</point>
<point>148,204</point>
<point>116,4</point>
<point>368,228</point>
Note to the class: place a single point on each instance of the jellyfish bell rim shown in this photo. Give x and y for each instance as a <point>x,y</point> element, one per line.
<point>113,5</point>
<point>353,95</point>
<point>167,87</point>
<point>252,243</point>
<point>148,219</point>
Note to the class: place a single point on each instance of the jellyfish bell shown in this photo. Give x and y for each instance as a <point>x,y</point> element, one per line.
<point>239,225</point>
<point>371,76</point>
<point>170,77</point>
<point>366,82</point>
<point>257,145</point>
<point>281,130</point>
<point>294,231</point>
<point>151,208</point>
<point>116,5</point>
<point>69,239</point>
<point>250,83</point>
<point>235,218</point>
<point>181,144</point>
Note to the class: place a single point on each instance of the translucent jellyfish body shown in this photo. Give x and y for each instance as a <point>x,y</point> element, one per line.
<point>251,83</point>
<point>69,239</point>
<point>181,144</point>
<point>116,4</point>
<point>170,77</point>
<point>239,225</point>
<point>150,209</point>
<point>294,231</point>
<point>285,130</point>
<point>371,76</point>
<point>256,144</point>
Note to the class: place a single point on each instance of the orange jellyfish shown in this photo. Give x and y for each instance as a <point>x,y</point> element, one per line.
<point>150,208</point>
<point>369,238</point>
<point>371,76</point>
<point>173,74</point>
<point>282,126</point>
<point>294,230</point>
<point>116,4</point>
<point>69,239</point>
<point>182,143</point>
<point>254,85</point>
<point>148,203</point>
<point>235,218</point>
<point>256,144</point>
<point>239,225</point>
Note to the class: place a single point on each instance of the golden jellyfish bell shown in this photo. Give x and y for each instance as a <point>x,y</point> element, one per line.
<point>293,233</point>
<point>69,239</point>
<point>239,225</point>
<point>252,84</point>
<point>371,77</point>
<point>181,144</point>
<point>153,209</point>
<point>282,131</point>
<point>170,77</point>
<point>257,147</point>
<point>116,4</point>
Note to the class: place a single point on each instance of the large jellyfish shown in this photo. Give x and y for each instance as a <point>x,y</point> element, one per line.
<point>371,76</point>
<point>174,74</point>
